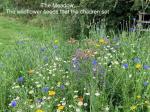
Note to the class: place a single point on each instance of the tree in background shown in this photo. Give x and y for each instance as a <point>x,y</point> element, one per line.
<point>74,25</point>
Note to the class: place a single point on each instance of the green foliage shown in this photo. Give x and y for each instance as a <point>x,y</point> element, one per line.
<point>106,87</point>
<point>119,10</point>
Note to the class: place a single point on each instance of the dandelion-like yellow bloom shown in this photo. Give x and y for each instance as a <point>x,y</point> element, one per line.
<point>102,41</point>
<point>60,107</point>
<point>39,110</point>
<point>138,66</point>
<point>30,71</point>
<point>138,97</point>
<point>51,93</point>
<point>133,108</point>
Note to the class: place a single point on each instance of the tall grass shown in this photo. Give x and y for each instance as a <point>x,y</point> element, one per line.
<point>96,75</point>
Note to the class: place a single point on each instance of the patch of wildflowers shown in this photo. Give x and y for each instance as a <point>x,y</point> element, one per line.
<point>55,47</point>
<point>125,66</point>
<point>60,107</point>
<point>94,62</point>
<point>51,93</point>
<point>20,79</point>
<point>146,67</point>
<point>145,83</point>
<point>45,89</point>
<point>138,66</point>
<point>13,104</point>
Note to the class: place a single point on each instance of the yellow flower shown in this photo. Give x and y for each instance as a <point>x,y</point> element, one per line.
<point>60,107</point>
<point>30,71</point>
<point>51,93</point>
<point>138,66</point>
<point>133,108</point>
<point>39,110</point>
<point>56,41</point>
<point>102,41</point>
<point>138,97</point>
<point>97,45</point>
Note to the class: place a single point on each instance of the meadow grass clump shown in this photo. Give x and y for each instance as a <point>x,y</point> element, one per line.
<point>100,74</point>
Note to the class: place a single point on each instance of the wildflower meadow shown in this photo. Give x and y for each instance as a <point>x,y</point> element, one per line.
<point>99,74</point>
<point>74,56</point>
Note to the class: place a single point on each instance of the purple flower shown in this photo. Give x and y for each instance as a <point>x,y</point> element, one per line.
<point>76,64</point>
<point>136,60</point>
<point>45,89</point>
<point>62,87</point>
<point>94,62</point>
<point>146,67</point>
<point>145,83</point>
<point>20,79</point>
<point>55,46</point>
<point>125,66</point>
<point>13,104</point>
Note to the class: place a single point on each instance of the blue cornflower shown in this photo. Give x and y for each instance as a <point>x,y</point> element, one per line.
<point>55,46</point>
<point>136,60</point>
<point>145,83</point>
<point>146,67</point>
<point>62,87</point>
<point>20,79</point>
<point>125,66</point>
<point>94,62</point>
<point>13,104</point>
<point>45,89</point>
<point>76,64</point>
